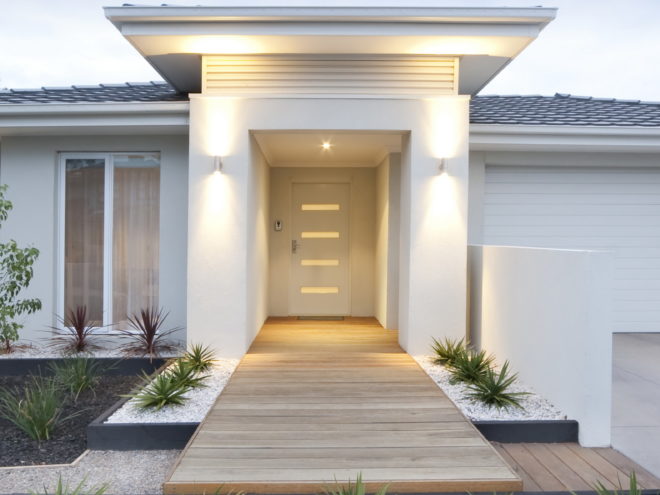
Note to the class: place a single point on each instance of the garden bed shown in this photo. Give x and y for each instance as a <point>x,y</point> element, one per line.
<point>69,439</point>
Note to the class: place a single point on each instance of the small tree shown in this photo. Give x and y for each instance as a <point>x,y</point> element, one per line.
<point>15,275</point>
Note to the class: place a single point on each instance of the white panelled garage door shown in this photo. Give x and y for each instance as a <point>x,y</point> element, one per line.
<point>611,209</point>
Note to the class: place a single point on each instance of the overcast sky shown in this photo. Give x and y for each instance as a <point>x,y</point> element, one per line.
<point>603,48</point>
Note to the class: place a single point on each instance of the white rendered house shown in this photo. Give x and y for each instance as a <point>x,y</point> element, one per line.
<point>334,161</point>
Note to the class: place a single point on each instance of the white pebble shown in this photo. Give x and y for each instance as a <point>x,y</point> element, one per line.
<point>193,410</point>
<point>535,406</point>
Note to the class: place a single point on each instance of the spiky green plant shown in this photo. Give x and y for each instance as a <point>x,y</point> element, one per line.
<point>184,373</point>
<point>161,391</point>
<point>200,357</point>
<point>469,366</point>
<point>37,409</point>
<point>447,350</point>
<point>633,487</point>
<point>357,488</point>
<point>79,489</point>
<point>76,374</point>
<point>492,388</point>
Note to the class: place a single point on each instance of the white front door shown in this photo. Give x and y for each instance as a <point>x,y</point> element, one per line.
<point>320,250</point>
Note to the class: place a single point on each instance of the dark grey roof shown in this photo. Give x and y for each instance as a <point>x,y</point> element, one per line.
<point>102,93</point>
<point>560,109</point>
<point>563,109</point>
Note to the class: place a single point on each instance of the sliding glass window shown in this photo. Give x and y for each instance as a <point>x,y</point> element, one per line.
<point>110,229</point>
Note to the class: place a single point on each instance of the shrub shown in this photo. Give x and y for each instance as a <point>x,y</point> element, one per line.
<point>492,388</point>
<point>633,487</point>
<point>77,374</point>
<point>169,387</point>
<point>357,488</point>
<point>16,273</point>
<point>79,489</point>
<point>470,366</point>
<point>447,350</point>
<point>184,373</point>
<point>145,336</point>
<point>37,409</point>
<point>76,332</point>
<point>163,390</point>
<point>200,358</point>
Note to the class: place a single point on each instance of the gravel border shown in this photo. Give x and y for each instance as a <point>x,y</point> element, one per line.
<point>535,406</point>
<point>135,472</point>
<point>37,351</point>
<point>194,410</point>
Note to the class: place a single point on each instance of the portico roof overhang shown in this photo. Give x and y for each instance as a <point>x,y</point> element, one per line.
<point>172,39</point>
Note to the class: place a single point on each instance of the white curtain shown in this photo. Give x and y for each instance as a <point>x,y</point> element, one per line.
<point>83,272</point>
<point>136,233</point>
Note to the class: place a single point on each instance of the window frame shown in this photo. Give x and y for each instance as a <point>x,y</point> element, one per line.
<point>108,234</point>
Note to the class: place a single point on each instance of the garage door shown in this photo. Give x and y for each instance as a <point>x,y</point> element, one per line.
<point>611,209</point>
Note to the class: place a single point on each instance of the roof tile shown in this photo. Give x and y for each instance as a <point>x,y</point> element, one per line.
<point>560,109</point>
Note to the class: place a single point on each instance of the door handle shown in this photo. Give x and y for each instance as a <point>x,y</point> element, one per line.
<point>294,246</point>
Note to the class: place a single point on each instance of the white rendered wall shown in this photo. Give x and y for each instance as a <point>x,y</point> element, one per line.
<point>257,246</point>
<point>29,166</point>
<point>361,236</point>
<point>382,237</point>
<point>434,239</point>
<point>386,290</point>
<point>547,312</point>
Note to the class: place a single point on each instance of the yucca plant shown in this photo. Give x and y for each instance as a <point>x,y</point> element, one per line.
<point>470,366</point>
<point>357,488</point>
<point>76,374</point>
<point>447,350</point>
<point>185,374</point>
<point>146,336</point>
<point>37,409</point>
<point>633,487</point>
<point>200,357</point>
<point>79,489</point>
<point>76,334</point>
<point>162,391</point>
<point>492,388</point>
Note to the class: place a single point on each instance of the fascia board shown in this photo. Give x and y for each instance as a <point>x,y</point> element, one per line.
<point>93,108</point>
<point>541,15</point>
<point>494,137</point>
<point>56,117</point>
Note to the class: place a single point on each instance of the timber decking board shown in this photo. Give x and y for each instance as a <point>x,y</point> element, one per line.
<point>316,401</point>
<point>570,467</point>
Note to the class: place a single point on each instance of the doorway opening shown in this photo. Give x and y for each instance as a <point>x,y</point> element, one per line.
<point>333,223</point>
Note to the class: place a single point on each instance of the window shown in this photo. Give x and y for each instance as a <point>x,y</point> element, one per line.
<point>110,227</point>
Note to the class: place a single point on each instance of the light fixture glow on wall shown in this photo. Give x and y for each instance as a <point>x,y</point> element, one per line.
<point>326,146</point>
<point>217,164</point>
<point>442,166</point>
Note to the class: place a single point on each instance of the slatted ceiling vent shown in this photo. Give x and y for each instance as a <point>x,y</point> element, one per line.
<point>331,74</point>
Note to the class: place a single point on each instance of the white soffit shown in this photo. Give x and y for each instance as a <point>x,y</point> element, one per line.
<point>173,38</point>
<point>345,149</point>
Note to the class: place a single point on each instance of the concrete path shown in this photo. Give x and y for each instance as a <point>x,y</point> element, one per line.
<point>636,398</point>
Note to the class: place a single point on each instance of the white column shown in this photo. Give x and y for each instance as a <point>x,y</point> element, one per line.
<point>434,225</point>
<point>217,232</point>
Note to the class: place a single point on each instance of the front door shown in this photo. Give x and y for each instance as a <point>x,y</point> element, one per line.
<point>320,250</point>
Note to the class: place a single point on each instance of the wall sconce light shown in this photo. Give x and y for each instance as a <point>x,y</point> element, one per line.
<point>217,164</point>
<point>442,166</point>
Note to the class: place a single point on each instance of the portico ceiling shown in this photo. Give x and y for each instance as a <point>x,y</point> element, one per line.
<point>344,149</point>
<point>173,39</point>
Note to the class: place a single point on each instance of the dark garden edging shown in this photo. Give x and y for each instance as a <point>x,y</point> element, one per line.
<point>547,431</point>
<point>136,436</point>
<point>113,366</point>
<point>163,436</point>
